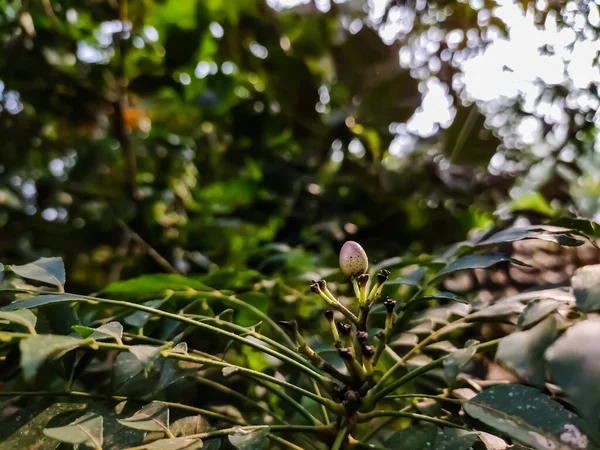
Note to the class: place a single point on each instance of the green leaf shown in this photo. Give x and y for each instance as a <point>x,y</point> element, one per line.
<point>537,310</point>
<point>148,287</point>
<point>498,310</point>
<point>109,330</point>
<point>530,417</point>
<point>36,349</point>
<point>45,270</point>
<point>574,365</point>
<point>37,301</point>
<point>550,234</point>
<point>456,361</point>
<point>86,430</point>
<point>138,319</point>
<point>533,201</point>
<point>586,287</point>
<point>146,354</point>
<point>125,368</point>
<point>492,442</point>
<point>24,429</point>
<point>152,417</point>
<point>476,262</point>
<point>23,317</point>
<point>249,440</point>
<point>181,443</point>
<point>430,437</point>
<point>187,426</point>
<point>247,318</point>
<point>523,351</point>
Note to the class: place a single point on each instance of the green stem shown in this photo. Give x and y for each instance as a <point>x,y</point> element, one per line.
<point>247,332</point>
<point>379,392</point>
<point>273,428</point>
<point>434,397</point>
<point>330,404</point>
<point>322,379</point>
<point>242,304</point>
<point>432,337</point>
<point>117,398</point>
<point>228,391</point>
<point>369,416</point>
<point>375,429</point>
<point>324,412</point>
<point>340,439</point>
<point>297,406</point>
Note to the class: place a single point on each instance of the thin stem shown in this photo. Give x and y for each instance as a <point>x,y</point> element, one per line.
<point>432,337</point>
<point>273,428</point>
<point>322,379</point>
<point>434,397</point>
<point>236,301</point>
<point>296,405</point>
<point>340,438</point>
<point>324,412</point>
<point>422,417</point>
<point>375,429</point>
<point>379,392</point>
<point>330,404</point>
<point>228,391</point>
<point>116,398</point>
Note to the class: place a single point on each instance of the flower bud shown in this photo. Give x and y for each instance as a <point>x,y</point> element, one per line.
<point>389,306</point>
<point>382,276</point>
<point>328,315</point>
<point>353,259</point>
<point>362,336</point>
<point>368,351</point>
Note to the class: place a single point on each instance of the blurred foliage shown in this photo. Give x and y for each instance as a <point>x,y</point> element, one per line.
<point>206,131</point>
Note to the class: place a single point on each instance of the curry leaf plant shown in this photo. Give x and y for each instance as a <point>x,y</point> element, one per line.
<point>167,362</point>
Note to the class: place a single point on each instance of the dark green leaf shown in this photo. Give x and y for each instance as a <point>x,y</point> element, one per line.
<point>24,429</point>
<point>148,287</point>
<point>429,437</point>
<point>152,417</point>
<point>249,440</point>
<point>523,351</point>
<point>537,310</point>
<point>187,426</point>
<point>456,361</point>
<point>36,349</point>
<point>37,301</point>
<point>45,270</point>
<point>574,365</point>
<point>23,317</point>
<point>556,235</point>
<point>86,430</point>
<point>499,310</point>
<point>530,417</point>
<point>109,330</point>
<point>146,354</point>
<point>476,262</point>
<point>138,319</point>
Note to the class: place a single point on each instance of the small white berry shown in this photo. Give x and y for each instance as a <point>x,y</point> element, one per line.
<point>353,259</point>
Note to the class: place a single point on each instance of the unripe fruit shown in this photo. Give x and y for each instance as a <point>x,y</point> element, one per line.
<point>353,259</point>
